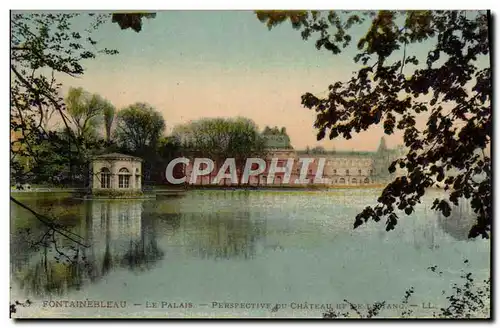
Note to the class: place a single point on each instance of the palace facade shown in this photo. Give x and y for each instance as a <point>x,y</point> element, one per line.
<point>339,168</point>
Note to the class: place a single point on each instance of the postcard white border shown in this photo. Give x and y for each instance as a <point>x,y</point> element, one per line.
<point>208,5</point>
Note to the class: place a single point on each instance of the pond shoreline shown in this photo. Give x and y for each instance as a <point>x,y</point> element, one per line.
<point>183,188</point>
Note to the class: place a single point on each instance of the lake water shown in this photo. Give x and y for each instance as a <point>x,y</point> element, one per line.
<point>232,253</point>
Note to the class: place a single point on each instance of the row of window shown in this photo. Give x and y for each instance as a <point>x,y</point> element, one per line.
<point>347,172</point>
<point>123,178</point>
<point>263,180</point>
<point>338,161</point>
<point>335,172</point>
<point>341,180</point>
<point>348,162</point>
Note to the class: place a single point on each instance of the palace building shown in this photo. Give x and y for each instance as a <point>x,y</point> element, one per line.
<point>340,167</point>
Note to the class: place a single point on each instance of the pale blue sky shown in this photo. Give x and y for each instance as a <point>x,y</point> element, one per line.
<point>228,39</point>
<point>192,64</point>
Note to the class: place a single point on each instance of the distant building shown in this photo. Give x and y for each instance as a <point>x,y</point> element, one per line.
<point>116,172</point>
<point>340,167</point>
<point>345,167</point>
<point>276,138</point>
<point>383,158</point>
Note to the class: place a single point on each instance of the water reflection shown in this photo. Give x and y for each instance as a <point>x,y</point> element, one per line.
<point>217,226</point>
<point>118,235</point>
<point>460,221</point>
<point>222,235</point>
<point>268,240</point>
<point>135,235</point>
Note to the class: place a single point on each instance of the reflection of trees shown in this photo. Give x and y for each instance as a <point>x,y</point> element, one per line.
<point>107,261</point>
<point>53,205</point>
<point>45,276</point>
<point>424,235</point>
<point>119,237</point>
<point>39,254</point>
<point>223,232</point>
<point>217,225</point>
<point>45,270</point>
<point>221,235</point>
<point>143,253</point>
<point>460,221</point>
<point>49,201</point>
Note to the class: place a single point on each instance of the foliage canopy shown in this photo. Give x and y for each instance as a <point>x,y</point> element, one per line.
<point>450,87</point>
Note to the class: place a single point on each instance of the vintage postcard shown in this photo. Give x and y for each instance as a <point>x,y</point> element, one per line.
<point>250,164</point>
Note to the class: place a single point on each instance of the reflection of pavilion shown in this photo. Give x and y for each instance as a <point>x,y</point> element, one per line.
<point>120,236</point>
<point>119,221</point>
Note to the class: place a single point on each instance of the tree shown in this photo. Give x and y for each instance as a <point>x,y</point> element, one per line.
<point>139,127</point>
<point>86,110</point>
<point>450,87</point>
<point>244,141</point>
<point>109,116</point>
<point>131,20</point>
<point>168,148</point>
<point>318,150</point>
<point>221,138</point>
